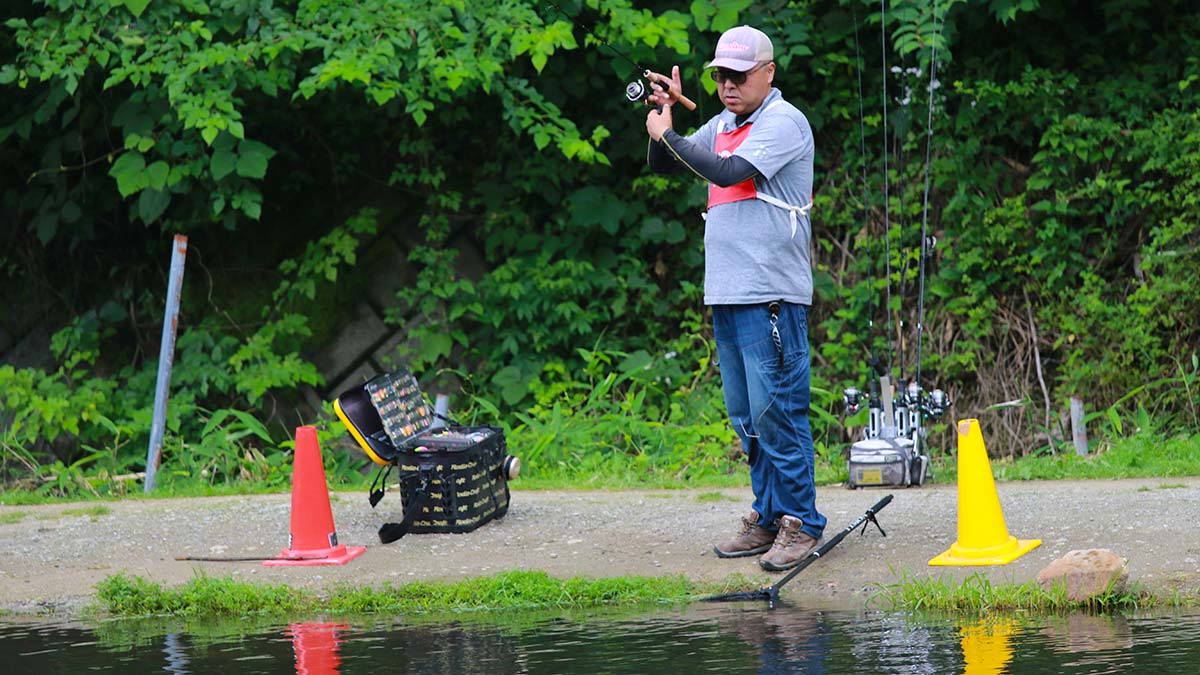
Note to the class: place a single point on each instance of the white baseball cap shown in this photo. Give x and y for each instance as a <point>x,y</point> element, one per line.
<point>741,49</point>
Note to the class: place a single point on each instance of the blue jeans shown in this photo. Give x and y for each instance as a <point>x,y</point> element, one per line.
<point>767,396</point>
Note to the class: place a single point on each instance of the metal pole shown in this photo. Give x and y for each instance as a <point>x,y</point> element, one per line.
<point>441,412</point>
<point>1078,427</point>
<point>166,357</point>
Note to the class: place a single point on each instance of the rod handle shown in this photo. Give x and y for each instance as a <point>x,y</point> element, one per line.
<point>880,504</point>
<point>687,102</point>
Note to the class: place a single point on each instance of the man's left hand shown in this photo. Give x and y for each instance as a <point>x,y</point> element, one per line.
<point>667,90</point>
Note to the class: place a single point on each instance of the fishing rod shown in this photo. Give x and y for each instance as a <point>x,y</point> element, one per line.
<point>771,593</point>
<point>892,449</point>
<point>927,241</point>
<point>636,90</point>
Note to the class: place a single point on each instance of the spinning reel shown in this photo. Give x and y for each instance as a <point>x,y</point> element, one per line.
<point>892,448</point>
<point>638,91</point>
<point>933,404</point>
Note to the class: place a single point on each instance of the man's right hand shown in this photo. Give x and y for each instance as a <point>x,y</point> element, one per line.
<point>657,122</point>
<point>666,91</point>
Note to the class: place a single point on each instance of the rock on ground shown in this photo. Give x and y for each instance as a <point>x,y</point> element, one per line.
<point>1085,574</point>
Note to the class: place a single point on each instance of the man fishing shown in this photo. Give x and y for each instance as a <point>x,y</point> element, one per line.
<point>757,156</point>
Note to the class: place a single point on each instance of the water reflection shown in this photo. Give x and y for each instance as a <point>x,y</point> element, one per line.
<point>785,640</point>
<point>463,647</point>
<point>987,646</point>
<point>730,640</point>
<point>177,658</point>
<point>1091,640</point>
<point>316,647</point>
<point>894,643</point>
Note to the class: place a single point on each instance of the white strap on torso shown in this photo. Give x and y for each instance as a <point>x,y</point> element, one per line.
<point>794,212</point>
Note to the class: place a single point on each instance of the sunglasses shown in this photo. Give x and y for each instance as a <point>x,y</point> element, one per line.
<point>721,75</point>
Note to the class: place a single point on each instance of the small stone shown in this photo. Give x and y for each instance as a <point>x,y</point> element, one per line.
<point>1086,573</point>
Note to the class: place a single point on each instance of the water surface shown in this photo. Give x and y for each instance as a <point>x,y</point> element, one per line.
<point>707,638</point>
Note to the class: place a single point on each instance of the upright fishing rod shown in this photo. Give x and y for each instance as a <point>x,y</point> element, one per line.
<point>862,152</point>
<point>771,593</point>
<point>887,221</point>
<point>927,242</point>
<point>895,431</point>
<point>636,90</point>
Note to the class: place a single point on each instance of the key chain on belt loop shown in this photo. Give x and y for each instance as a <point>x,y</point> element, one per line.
<point>774,308</point>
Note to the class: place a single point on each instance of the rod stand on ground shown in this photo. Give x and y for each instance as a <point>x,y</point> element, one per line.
<point>166,357</point>
<point>871,519</point>
<point>771,593</point>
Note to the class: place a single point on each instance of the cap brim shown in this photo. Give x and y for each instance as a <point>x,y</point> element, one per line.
<point>732,64</point>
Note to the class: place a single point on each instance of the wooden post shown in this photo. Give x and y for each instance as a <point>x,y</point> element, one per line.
<point>1078,427</point>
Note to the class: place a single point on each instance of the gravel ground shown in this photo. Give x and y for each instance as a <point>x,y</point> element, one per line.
<point>54,554</point>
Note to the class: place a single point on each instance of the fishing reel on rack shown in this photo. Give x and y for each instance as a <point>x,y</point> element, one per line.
<point>892,450</point>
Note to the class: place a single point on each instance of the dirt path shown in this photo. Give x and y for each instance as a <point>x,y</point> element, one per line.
<point>54,554</point>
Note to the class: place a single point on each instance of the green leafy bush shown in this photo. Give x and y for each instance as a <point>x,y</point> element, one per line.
<point>490,144</point>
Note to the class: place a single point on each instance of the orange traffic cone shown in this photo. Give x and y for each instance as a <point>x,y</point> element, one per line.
<point>313,539</point>
<point>983,538</point>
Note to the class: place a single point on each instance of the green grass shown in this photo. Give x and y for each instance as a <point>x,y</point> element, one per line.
<point>206,597</point>
<point>120,595</point>
<point>617,475</point>
<point>1145,455</point>
<point>203,596</point>
<point>1164,486</point>
<point>18,497</point>
<point>21,497</point>
<point>12,517</point>
<point>977,594</point>
<point>714,497</point>
<point>92,511</point>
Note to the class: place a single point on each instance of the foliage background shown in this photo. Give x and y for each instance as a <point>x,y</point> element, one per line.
<point>553,279</point>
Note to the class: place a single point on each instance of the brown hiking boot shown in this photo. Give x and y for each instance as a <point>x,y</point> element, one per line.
<point>750,540</point>
<point>791,546</point>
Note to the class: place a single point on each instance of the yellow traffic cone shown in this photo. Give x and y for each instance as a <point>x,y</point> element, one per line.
<point>983,538</point>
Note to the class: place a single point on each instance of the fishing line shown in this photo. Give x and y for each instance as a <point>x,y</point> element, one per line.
<point>588,30</point>
<point>887,222</point>
<point>205,558</point>
<point>634,91</point>
<point>862,150</point>
<point>925,245</point>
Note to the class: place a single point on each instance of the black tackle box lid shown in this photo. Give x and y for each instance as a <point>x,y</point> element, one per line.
<point>385,414</point>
